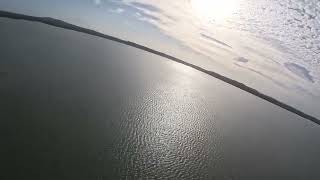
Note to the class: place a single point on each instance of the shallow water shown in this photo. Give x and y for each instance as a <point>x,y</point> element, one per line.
<point>74,106</point>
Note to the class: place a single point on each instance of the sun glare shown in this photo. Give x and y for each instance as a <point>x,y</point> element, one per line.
<point>217,10</point>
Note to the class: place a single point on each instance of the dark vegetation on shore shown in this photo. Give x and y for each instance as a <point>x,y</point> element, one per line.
<point>65,25</point>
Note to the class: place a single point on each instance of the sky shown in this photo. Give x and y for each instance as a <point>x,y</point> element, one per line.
<point>270,45</point>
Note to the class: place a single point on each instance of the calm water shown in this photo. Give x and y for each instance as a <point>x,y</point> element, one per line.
<point>74,106</point>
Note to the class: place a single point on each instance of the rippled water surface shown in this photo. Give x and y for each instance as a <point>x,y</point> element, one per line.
<point>74,106</point>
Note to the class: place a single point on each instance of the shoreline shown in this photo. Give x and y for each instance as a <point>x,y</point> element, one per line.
<point>68,26</point>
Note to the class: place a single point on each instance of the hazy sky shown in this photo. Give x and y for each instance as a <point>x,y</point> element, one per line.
<point>271,45</point>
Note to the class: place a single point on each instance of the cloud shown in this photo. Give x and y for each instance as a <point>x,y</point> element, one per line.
<point>242,59</point>
<point>148,17</point>
<point>146,6</point>
<point>117,10</point>
<point>178,20</point>
<point>214,40</point>
<point>299,71</point>
<point>97,2</point>
<point>279,83</point>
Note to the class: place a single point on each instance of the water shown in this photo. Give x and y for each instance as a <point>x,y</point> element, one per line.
<point>74,106</point>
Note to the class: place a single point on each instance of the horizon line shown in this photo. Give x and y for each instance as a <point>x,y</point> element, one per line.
<point>65,25</point>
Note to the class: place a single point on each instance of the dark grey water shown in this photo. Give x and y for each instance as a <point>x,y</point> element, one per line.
<point>74,106</point>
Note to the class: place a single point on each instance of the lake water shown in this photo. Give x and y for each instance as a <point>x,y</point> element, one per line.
<point>74,106</point>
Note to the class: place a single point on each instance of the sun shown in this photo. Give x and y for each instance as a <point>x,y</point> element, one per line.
<point>217,10</point>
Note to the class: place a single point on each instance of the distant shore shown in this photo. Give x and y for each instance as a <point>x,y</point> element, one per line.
<point>65,25</point>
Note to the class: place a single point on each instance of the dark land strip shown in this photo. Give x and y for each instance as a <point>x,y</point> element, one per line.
<point>65,25</point>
